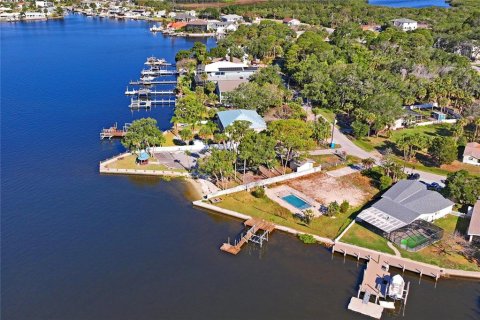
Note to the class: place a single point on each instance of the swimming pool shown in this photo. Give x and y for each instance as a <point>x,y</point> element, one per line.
<point>296,202</point>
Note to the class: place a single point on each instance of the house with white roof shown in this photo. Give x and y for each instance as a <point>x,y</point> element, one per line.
<point>227,118</point>
<point>33,15</point>
<point>225,70</point>
<point>471,154</point>
<point>405,202</point>
<point>231,18</point>
<point>291,22</point>
<point>405,24</point>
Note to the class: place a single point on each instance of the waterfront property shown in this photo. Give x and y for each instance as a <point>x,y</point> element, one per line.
<point>227,118</point>
<point>474,226</point>
<point>471,154</point>
<point>403,203</point>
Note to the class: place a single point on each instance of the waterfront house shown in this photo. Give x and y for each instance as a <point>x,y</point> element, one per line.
<point>291,22</point>
<point>33,15</point>
<point>471,154</point>
<point>176,25</point>
<point>405,24</point>
<point>405,202</point>
<point>474,227</point>
<point>9,16</point>
<point>225,70</point>
<point>227,85</point>
<point>197,26</point>
<point>227,118</point>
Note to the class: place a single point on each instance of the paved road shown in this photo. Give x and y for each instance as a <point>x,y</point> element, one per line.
<point>350,148</point>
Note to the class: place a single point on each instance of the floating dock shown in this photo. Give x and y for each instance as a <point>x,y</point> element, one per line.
<point>262,227</point>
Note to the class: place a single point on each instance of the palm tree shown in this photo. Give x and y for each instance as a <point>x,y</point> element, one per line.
<point>477,128</point>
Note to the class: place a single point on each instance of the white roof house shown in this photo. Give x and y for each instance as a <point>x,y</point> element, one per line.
<point>405,202</point>
<point>32,15</point>
<point>227,118</point>
<point>471,154</point>
<point>217,66</point>
<point>405,24</point>
<point>231,18</point>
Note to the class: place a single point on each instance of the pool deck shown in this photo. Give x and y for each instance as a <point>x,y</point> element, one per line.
<point>277,193</point>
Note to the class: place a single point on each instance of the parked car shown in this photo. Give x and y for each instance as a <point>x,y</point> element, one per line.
<point>435,186</point>
<point>413,176</point>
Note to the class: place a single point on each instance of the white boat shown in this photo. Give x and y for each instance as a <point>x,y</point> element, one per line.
<point>387,304</point>
<point>156,28</point>
<point>152,61</point>
<point>396,287</point>
<point>147,78</point>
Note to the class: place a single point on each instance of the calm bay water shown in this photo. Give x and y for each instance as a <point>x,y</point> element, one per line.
<point>78,245</point>
<point>409,3</point>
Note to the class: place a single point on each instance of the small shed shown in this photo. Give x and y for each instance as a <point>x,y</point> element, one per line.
<point>300,166</point>
<point>142,158</point>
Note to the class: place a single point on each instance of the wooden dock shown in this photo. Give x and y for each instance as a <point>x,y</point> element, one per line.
<point>114,132</point>
<point>255,226</point>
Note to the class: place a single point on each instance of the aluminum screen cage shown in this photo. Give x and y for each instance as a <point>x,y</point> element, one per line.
<point>416,236</point>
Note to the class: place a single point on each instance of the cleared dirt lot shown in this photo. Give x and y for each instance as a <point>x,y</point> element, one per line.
<point>354,188</point>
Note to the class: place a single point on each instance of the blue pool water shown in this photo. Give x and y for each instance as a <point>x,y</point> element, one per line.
<point>296,202</point>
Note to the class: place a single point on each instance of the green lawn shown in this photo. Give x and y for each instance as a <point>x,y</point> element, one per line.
<point>129,162</point>
<point>362,237</point>
<point>371,143</point>
<point>267,209</point>
<point>327,114</point>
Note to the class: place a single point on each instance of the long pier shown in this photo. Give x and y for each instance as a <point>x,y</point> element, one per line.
<point>150,83</point>
<point>146,92</point>
<point>147,104</point>
<point>251,235</point>
<point>155,73</point>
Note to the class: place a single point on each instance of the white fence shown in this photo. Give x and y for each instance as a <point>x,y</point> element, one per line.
<point>197,146</point>
<point>263,182</point>
<point>427,123</point>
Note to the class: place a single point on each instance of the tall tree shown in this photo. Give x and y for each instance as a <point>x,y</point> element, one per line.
<point>293,136</point>
<point>218,164</point>
<point>443,150</point>
<point>143,134</point>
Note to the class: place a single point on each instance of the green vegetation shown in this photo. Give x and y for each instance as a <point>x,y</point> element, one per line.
<point>269,210</point>
<point>143,134</point>
<point>452,251</point>
<point>362,237</point>
<point>306,238</point>
<point>462,187</point>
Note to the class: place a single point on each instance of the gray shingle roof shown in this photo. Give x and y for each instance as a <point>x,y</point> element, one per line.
<point>402,204</point>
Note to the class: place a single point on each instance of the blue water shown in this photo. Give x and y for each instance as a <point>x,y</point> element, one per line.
<point>296,202</point>
<point>409,3</point>
<point>77,245</point>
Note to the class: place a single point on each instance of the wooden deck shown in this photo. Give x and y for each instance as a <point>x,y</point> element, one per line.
<point>255,226</point>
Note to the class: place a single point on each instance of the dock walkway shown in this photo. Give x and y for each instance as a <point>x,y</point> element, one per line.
<point>255,225</point>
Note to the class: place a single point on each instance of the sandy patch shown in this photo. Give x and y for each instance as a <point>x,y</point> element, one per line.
<point>325,189</point>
